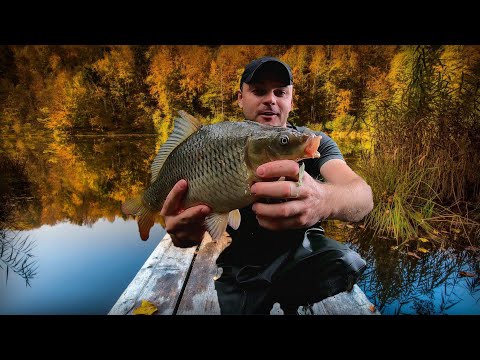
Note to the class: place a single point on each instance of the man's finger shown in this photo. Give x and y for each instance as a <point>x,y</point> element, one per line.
<point>278,168</point>
<point>277,212</point>
<point>193,215</point>
<point>174,200</point>
<point>277,189</point>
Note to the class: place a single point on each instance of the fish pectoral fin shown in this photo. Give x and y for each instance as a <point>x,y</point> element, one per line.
<point>234,219</point>
<point>216,225</point>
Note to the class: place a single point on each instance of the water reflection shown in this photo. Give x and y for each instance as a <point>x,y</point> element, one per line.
<point>61,228</point>
<point>82,269</point>
<point>399,283</point>
<point>80,179</point>
<point>16,250</point>
<point>63,195</point>
<point>432,285</point>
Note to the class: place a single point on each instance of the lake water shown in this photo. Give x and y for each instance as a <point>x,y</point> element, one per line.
<point>66,248</point>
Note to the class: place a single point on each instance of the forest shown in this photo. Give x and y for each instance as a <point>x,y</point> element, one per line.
<point>413,109</point>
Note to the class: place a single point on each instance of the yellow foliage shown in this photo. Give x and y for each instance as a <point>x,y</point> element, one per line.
<point>343,102</point>
<point>400,72</point>
<point>319,66</point>
<point>54,61</point>
<point>194,60</point>
<point>147,308</point>
<point>378,85</point>
<point>76,200</point>
<point>458,62</point>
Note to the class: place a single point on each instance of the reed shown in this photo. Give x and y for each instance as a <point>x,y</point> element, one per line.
<point>409,204</point>
<point>424,162</point>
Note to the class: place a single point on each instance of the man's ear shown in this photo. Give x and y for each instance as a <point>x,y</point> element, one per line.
<point>240,99</point>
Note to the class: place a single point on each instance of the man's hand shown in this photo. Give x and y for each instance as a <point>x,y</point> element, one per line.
<point>306,205</point>
<point>185,226</point>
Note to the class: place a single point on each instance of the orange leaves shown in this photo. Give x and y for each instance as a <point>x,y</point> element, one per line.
<point>413,255</point>
<point>472,248</point>
<point>147,308</point>
<point>342,225</point>
<point>344,99</point>
<point>467,274</point>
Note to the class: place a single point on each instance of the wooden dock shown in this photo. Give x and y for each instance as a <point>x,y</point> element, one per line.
<point>180,282</point>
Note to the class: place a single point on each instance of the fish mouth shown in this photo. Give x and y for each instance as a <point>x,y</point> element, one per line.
<point>311,148</point>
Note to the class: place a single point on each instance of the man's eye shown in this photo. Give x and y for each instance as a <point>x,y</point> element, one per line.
<point>259,92</point>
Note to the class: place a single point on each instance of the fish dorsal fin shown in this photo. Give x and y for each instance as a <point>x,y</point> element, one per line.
<point>216,225</point>
<point>234,219</point>
<point>182,129</point>
<point>187,117</point>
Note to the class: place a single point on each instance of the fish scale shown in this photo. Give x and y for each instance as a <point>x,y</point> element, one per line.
<point>204,185</point>
<point>220,170</point>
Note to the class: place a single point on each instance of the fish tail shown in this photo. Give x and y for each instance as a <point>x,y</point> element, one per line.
<point>145,216</point>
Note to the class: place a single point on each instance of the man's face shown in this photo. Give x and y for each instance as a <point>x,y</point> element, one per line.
<point>266,101</point>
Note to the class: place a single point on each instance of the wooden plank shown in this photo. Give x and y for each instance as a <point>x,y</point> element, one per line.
<point>200,296</point>
<point>159,281</point>
<point>353,302</point>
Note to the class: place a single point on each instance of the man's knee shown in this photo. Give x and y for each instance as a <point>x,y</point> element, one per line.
<point>320,268</point>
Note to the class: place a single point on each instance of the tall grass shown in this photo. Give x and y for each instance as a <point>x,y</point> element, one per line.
<point>432,196</point>
<point>16,254</point>
<point>403,196</point>
<point>424,165</point>
<point>408,202</point>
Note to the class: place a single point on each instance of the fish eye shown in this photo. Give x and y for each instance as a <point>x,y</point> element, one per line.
<point>284,140</point>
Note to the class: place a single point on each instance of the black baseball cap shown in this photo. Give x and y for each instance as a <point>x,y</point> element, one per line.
<point>257,66</point>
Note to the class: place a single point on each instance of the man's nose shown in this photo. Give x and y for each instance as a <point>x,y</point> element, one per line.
<point>269,98</point>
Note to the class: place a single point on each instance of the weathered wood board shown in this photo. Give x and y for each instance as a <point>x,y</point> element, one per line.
<point>181,282</point>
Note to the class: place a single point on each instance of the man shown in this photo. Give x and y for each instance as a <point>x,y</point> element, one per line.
<point>279,253</point>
